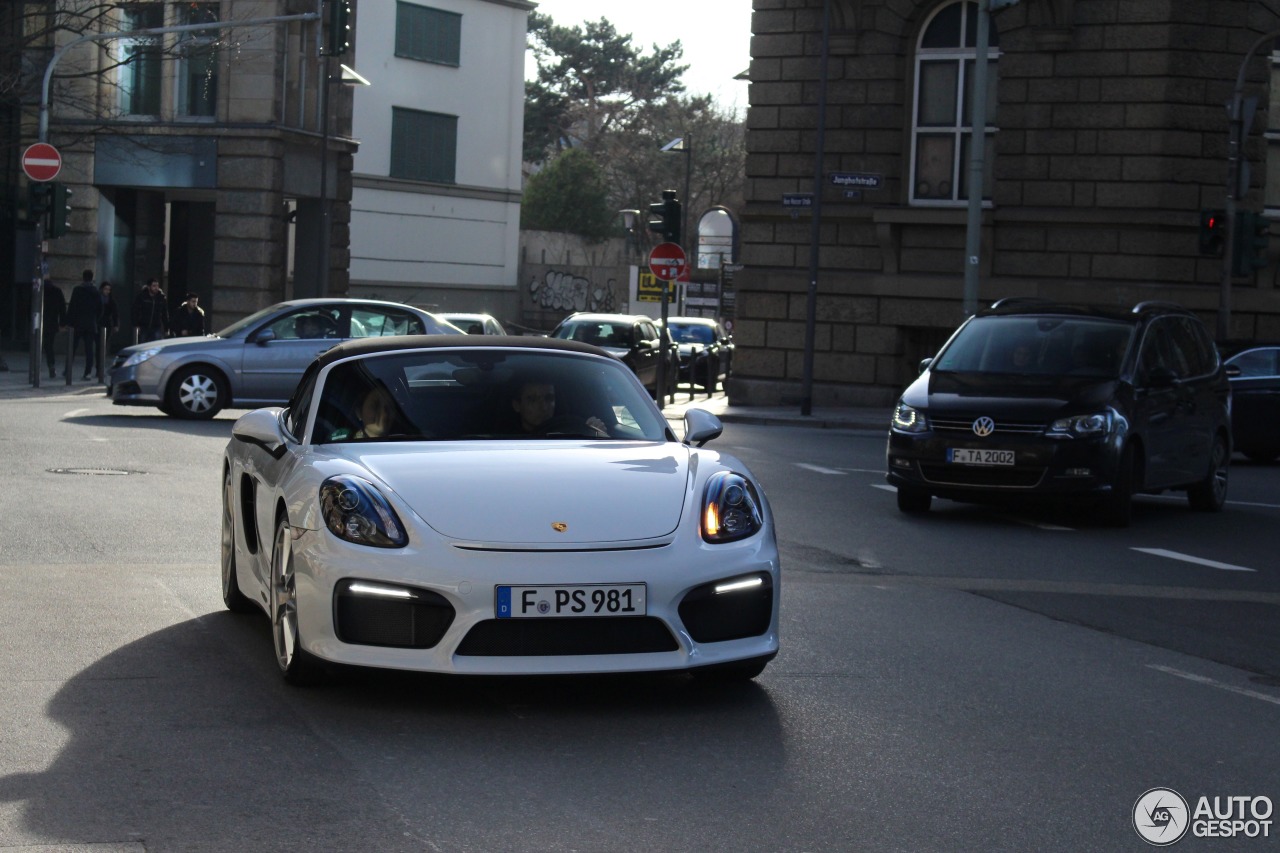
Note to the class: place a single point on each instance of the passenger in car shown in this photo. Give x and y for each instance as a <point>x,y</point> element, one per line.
<point>534,402</point>
<point>377,413</point>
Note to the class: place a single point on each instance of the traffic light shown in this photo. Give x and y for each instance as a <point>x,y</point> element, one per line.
<point>339,27</point>
<point>38,200</point>
<point>1252,239</point>
<point>664,217</point>
<point>59,209</point>
<point>1213,230</point>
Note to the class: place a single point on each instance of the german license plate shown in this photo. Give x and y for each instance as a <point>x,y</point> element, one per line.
<point>974,456</point>
<point>619,599</point>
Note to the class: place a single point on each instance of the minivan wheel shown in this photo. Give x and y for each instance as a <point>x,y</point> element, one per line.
<point>1210,494</point>
<point>1116,509</point>
<point>913,501</point>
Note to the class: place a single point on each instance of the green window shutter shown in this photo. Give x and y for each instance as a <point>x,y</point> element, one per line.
<point>429,35</point>
<point>424,146</point>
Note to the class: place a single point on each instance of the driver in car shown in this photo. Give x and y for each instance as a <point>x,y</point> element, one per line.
<point>534,402</point>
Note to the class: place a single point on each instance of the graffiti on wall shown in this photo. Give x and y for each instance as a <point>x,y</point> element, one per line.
<point>564,291</point>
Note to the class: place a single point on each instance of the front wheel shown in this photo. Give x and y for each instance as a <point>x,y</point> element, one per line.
<point>196,393</point>
<point>1210,494</point>
<point>297,665</point>
<point>1116,509</point>
<point>235,600</point>
<point>913,501</point>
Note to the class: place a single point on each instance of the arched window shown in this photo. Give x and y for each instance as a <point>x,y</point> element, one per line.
<point>942,121</point>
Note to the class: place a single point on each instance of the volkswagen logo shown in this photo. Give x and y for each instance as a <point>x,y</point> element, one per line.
<point>983,427</point>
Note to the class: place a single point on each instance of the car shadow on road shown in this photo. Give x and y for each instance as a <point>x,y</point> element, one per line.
<point>189,737</point>
<point>220,426</point>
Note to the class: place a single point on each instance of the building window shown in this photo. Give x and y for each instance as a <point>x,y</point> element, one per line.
<point>140,61</point>
<point>942,126</point>
<point>424,146</point>
<point>197,84</point>
<point>427,34</point>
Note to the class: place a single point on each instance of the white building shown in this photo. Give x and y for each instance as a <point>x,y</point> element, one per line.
<point>436,183</point>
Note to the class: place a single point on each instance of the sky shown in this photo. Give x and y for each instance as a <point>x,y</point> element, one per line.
<point>715,34</point>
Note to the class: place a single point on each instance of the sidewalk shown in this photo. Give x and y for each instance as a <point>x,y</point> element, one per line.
<point>15,383</point>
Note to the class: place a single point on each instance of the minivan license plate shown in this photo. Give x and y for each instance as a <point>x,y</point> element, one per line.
<point>973,456</point>
<point>517,602</point>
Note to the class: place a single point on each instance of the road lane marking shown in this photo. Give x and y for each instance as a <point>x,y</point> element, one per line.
<point>1200,679</point>
<point>818,468</point>
<point>1199,561</point>
<point>1181,498</point>
<point>74,412</point>
<point>863,470</point>
<point>884,486</point>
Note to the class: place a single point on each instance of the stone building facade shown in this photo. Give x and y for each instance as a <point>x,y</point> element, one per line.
<point>195,156</point>
<point>1106,137</point>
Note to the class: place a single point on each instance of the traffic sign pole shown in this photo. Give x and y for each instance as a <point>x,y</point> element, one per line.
<point>667,262</point>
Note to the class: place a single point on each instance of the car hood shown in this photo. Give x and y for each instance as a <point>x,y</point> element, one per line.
<point>514,492</point>
<point>172,346</point>
<point>1015,397</point>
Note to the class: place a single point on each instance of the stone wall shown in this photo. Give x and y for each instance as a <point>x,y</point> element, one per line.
<point>1111,138</point>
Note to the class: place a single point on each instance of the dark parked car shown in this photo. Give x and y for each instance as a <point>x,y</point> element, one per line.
<point>1255,402</point>
<point>1030,399</point>
<point>704,347</point>
<point>633,339</point>
<point>256,361</point>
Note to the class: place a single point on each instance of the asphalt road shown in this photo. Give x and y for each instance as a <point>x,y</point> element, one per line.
<point>972,679</point>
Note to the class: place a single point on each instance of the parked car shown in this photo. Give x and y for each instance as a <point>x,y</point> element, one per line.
<point>256,361</point>
<point>474,324</point>
<point>706,350</point>
<point>1031,399</point>
<point>456,539</point>
<point>633,339</point>
<point>1254,374</point>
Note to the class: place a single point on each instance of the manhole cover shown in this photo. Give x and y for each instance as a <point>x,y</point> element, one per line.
<point>102,472</point>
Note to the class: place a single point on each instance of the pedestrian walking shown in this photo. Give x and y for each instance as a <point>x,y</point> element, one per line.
<point>55,319</point>
<point>151,312</point>
<point>82,317</point>
<point>189,318</point>
<point>108,316</point>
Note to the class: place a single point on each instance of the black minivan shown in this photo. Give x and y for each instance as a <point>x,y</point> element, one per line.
<point>1032,399</point>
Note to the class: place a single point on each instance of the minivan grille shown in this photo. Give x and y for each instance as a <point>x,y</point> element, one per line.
<point>1002,427</point>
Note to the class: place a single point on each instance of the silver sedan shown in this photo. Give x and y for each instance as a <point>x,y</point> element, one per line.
<point>258,360</point>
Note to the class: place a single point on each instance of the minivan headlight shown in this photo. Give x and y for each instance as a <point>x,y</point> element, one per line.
<point>357,512</point>
<point>1081,426</point>
<point>908,419</point>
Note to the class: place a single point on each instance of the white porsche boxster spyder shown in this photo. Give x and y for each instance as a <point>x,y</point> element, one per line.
<point>512,506</point>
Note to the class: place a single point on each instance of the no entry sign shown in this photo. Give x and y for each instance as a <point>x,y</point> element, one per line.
<point>41,162</point>
<point>667,261</point>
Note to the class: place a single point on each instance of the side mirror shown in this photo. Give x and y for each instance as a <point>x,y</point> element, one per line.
<point>261,427</point>
<point>264,336</point>
<point>700,426</point>
<point>924,364</point>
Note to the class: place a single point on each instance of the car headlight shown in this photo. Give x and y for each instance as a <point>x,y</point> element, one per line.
<point>730,508</point>
<point>1082,426</point>
<point>357,512</point>
<point>908,419</point>
<point>139,357</point>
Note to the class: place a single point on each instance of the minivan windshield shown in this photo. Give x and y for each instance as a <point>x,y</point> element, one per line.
<point>1037,345</point>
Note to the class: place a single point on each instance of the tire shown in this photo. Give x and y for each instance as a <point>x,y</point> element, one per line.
<point>299,667</point>
<point>196,393</point>
<point>730,673</point>
<point>232,597</point>
<point>913,501</point>
<point>1210,494</point>
<point>1116,509</point>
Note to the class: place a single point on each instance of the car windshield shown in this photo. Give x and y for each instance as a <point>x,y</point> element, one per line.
<point>471,394</point>
<point>692,333</point>
<point>253,318</point>
<point>1031,345</point>
<point>601,333</point>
